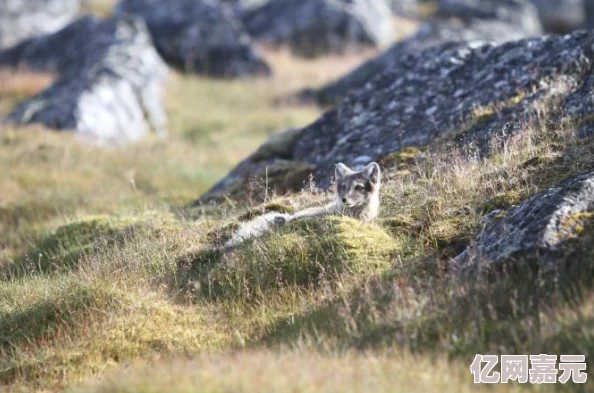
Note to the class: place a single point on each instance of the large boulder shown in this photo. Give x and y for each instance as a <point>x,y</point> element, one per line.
<point>430,33</point>
<point>557,16</point>
<point>316,27</point>
<point>22,19</point>
<point>198,36</point>
<point>464,93</point>
<point>456,21</point>
<point>542,230</point>
<point>111,90</point>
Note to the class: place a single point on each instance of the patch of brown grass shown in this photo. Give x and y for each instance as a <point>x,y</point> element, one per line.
<point>262,371</point>
<point>101,8</point>
<point>19,85</point>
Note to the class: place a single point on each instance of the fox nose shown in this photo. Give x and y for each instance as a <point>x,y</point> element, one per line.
<point>344,200</point>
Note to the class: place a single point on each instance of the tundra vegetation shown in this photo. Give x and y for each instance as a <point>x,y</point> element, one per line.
<point>105,284</point>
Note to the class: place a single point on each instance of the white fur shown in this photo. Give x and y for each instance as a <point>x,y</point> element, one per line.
<point>267,222</point>
<point>342,170</point>
<point>257,227</point>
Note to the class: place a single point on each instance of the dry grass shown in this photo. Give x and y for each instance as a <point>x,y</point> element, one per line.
<point>90,240</point>
<point>264,371</point>
<point>19,85</point>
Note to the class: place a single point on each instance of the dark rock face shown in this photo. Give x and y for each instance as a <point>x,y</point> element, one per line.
<point>537,230</point>
<point>198,36</point>
<point>60,52</point>
<point>315,27</point>
<point>112,90</point>
<point>22,19</point>
<point>456,21</point>
<point>466,93</point>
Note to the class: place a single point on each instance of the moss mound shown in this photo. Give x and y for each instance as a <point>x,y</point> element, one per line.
<point>63,309</point>
<point>62,248</point>
<point>70,327</point>
<point>305,253</point>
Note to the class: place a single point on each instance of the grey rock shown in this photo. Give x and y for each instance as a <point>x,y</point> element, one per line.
<point>561,16</point>
<point>22,19</point>
<point>430,33</point>
<point>410,8</point>
<point>536,231</point>
<point>113,91</point>
<point>316,27</point>
<point>436,94</point>
<point>62,52</point>
<point>456,21</point>
<point>199,36</point>
<point>521,14</point>
<point>241,6</point>
<point>586,132</point>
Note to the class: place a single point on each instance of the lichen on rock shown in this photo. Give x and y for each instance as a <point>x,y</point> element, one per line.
<point>110,84</point>
<point>466,94</point>
<point>543,231</point>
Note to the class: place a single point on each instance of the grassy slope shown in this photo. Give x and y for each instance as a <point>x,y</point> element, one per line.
<point>91,239</point>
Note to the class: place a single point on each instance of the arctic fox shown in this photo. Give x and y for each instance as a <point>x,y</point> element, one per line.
<point>357,196</point>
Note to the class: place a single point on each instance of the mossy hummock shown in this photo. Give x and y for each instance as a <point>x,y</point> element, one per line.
<point>304,253</point>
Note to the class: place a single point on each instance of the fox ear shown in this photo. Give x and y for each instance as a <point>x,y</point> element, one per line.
<point>372,172</point>
<point>341,170</point>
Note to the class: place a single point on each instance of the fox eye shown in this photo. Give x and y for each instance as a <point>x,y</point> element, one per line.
<point>359,188</point>
<point>343,187</point>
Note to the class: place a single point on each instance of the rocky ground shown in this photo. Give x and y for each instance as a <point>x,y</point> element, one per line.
<point>108,278</point>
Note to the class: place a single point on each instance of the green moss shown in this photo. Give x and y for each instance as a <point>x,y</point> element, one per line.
<point>63,309</point>
<point>479,116</point>
<point>304,253</point>
<point>403,223</point>
<point>503,200</point>
<point>79,328</point>
<point>450,236</point>
<point>483,117</point>
<point>538,161</point>
<point>515,100</point>
<point>402,160</point>
<point>447,235</point>
<point>62,248</point>
<point>577,224</point>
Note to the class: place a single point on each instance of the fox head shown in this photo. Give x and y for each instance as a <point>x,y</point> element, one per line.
<point>355,189</point>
